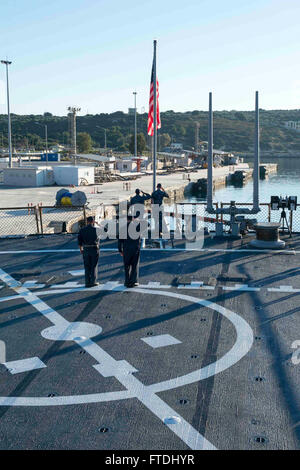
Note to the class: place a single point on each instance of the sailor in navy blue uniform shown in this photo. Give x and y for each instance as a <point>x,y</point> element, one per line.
<point>138,199</point>
<point>88,241</point>
<point>157,198</point>
<point>130,248</point>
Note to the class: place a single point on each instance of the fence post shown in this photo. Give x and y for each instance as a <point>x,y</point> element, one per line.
<point>36,219</point>
<point>269,212</point>
<point>291,220</point>
<point>222,205</point>
<point>41,220</point>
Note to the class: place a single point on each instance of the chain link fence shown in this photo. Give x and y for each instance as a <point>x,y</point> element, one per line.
<point>60,220</point>
<point>42,220</point>
<point>19,221</point>
<point>265,214</point>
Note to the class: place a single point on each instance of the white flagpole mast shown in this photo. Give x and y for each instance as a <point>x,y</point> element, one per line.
<point>154,117</point>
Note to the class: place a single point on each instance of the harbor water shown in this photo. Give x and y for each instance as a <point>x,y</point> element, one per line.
<point>286,182</point>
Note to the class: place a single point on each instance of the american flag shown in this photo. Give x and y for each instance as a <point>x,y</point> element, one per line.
<point>151,106</point>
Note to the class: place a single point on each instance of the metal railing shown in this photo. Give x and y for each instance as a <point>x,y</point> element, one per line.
<point>61,219</point>
<point>265,214</point>
<point>42,220</point>
<point>19,221</point>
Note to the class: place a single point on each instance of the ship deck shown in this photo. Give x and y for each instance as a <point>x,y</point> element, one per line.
<point>200,356</point>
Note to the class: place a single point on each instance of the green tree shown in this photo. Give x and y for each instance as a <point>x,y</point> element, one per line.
<point>164,140</point>
<point>84,142</point>
<point>240,116</point>
<point>140,141</point>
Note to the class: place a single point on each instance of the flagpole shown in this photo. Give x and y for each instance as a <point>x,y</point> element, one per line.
<point>154,117</point>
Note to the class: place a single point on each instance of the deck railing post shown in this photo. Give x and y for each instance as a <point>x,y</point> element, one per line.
<point>256,158</point>
<point>210,158</point>
<point>36,219</point>
<point>41,219</point>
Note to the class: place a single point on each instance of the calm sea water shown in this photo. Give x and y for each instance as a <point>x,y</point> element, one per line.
<point>286,182</point>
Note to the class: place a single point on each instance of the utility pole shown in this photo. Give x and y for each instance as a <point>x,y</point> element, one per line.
<point>72,116</point>
<point>135,135</point>
<point>46,138</point>
<point>7,63</point>
<point>197,126</point>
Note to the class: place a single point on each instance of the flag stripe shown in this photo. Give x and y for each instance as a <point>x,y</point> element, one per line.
<point>151,107</point>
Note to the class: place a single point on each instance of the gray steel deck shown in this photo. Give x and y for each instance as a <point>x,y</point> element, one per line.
<point>226,381</point>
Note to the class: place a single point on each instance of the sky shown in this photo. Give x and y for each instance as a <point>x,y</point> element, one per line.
<point>94,54</point>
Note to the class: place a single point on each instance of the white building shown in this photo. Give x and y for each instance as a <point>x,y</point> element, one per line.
<point>28,176</point>
<point>176,146</point>
<point>73,175</point>
<point>126,165</point>
<point>108,161</point>
<point>293,125</point>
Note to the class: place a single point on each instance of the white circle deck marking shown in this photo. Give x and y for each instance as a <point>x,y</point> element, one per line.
<point>244,340</point>
<point>108,366</point>
<point>76,331</point>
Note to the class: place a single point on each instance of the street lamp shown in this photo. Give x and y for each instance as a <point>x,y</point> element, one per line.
<point>104,138</point>
<point>46,138</point>
<point>7,63</point>
<point>105,142</point>
<point>135,136</point>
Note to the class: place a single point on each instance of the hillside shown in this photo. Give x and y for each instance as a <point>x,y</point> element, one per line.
<point>233,130</point>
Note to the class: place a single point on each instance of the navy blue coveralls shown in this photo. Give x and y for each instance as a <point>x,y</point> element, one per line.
<point>138,199</point>
<point>89,240</point>
<point>157,198</point>
<point>131,257</point>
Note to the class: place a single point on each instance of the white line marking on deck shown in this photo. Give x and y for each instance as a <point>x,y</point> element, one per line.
<point>160,341</point>
<point>183,430</point>
<point>74,331</point>
<point>77,272</point>
<point>146,394</point>
<point>71,287</point>
<point>66,285</point>
<point>33,285</point>
<point>194,286</point>
<point>24,365</point>
<point>121,367</point>
<point>283,289</point>
<point>242,287</point>
<point>212,250</point>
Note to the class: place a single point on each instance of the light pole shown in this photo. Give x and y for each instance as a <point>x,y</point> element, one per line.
<point>135,136</point>
<point>105,140</point>
<point>72,115</point>
<point>7,63</point>
<point>46,138</point>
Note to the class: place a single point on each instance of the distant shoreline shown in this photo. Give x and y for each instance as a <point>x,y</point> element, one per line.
<point>268,155</point>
